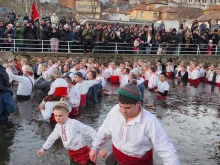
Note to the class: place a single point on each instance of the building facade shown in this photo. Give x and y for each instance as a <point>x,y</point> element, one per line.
<point>68,3</point>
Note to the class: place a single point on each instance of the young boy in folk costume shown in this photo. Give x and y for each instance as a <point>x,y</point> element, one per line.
<point>163,88</point>
<point>134,132</point>
<point>72,134</point>
<point>194,76</point>
<point>170,68</point>
<point>154,79</point>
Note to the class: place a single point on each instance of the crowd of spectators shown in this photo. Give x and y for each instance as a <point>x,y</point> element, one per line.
<point>54,34</point>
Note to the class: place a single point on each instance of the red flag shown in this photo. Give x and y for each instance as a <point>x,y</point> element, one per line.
<point>34,13</point>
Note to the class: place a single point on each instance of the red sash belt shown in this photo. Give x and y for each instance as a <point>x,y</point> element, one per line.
<point>209,82</point>
<point>152,90</point>
<point>196,81</point>
<point>74,112</point>
<point>58,93</point>
<point>202,79</point>
<point>114,79</point>
<point>123,159</point>
<point>169,74</point>
<point>52,119</point>
<point>81,155</point>
<point>159,97</point>
<point>83,100</point>
<point>217,84</point>
<point>146,83</point>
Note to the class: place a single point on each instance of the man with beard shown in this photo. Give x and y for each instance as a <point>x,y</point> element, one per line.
<point>42,34</point>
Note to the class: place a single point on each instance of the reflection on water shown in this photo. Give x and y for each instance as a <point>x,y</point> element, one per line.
<point>190,117</point>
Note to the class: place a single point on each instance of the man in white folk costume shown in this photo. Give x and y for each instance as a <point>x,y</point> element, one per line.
<point>58,89</point>
<point>195,75</point>
<point>73,97</point>
<point>125,77</point>
<point>154,79</point>
<point>217,79</point>
<point>210,74</point>
<point>134,132</point>
<point>26,83</point>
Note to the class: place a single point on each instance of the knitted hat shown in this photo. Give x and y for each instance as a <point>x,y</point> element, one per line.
<point>131,90</point>
<point>62,104</point>
<point>57,73</point>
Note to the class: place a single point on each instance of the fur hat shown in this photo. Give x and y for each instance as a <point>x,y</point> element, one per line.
<point>56,73</point>
<point>62,104</point>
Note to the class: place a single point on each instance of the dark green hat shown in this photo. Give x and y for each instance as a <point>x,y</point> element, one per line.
<point>131,90</point>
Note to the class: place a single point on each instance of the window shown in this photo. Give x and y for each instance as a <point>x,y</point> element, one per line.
<point>155,15</point>
<point>142,14</point>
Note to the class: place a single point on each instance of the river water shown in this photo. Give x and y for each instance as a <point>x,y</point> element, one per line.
<point>191,118</point>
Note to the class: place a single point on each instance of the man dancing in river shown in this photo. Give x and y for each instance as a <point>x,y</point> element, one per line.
<point>134,133</point>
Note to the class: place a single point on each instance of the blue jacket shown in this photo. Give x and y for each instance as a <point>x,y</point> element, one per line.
<point>92,94</point>
<point>6,105</point>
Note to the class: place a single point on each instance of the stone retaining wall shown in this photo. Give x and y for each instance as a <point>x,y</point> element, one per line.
<point>117,58</point>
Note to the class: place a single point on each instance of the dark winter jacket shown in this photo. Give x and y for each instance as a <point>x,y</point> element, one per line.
<point>6,105</point>
<point>92,94</point>
<point>65,35</point>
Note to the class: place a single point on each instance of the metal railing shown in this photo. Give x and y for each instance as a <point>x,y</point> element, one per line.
<point>111,47</point>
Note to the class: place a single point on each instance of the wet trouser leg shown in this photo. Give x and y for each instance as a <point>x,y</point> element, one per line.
<point>74,163</point>
<point>111,160</point>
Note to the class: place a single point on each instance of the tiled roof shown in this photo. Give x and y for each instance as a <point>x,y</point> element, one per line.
<point>156,1</point>
<point>141,7</point>
<point>210,15</point>
<point>216,7</point>
<point>167,9</point>
<point>112,10</point>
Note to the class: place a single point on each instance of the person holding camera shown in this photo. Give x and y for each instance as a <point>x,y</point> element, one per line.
<point>88,38</point>
<point>9,34</point>
<point>30,36</point>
